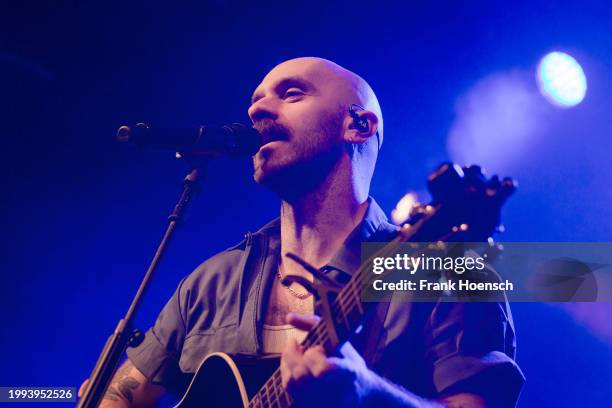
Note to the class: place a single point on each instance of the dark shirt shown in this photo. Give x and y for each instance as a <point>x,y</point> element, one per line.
<point>432,349</point>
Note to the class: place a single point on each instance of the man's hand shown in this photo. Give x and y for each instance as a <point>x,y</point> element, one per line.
<point>83,388</point>
<point>315,379</point>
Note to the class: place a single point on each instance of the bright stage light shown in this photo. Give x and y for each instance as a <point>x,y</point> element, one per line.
<point>561,79</point>
<point>402,210</point>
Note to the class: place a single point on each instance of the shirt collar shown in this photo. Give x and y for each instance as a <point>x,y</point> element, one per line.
<point>374,227</point>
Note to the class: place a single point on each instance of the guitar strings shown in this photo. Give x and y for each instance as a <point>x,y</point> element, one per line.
<point>347,300</point>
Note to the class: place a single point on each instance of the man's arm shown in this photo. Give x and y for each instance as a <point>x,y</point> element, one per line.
<point>315,379</point>
<point>129,388</point>
<point>384,393</point>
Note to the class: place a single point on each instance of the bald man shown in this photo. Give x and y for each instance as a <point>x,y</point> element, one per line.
<point>322,129</point>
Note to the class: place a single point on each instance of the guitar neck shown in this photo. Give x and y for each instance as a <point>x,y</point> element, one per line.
<point>349,309</point>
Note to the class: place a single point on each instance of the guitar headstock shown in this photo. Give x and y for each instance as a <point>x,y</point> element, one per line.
<point>466,206</point>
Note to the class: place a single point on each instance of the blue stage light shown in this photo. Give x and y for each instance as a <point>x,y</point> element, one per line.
<point>561,79</point>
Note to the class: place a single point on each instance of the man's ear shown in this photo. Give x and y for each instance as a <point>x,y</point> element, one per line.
<point>354,135</point>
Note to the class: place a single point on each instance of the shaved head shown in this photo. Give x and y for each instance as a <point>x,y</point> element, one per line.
<point>352,89</point>
<point>301,108</point>
<point>356,89</point>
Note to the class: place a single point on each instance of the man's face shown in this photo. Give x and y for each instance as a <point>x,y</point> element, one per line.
<point>297,110</point>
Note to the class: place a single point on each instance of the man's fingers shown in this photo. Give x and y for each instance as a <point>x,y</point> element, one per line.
<point>292,364</point>
<point>317,362</point>
<point>302,322</point>
<point>83,388</point>
<point>348,351</point>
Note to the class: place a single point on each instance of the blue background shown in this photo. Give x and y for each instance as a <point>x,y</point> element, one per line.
<point>82,216</point>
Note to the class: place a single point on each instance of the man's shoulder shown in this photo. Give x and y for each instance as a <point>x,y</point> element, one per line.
<point>232,259</point>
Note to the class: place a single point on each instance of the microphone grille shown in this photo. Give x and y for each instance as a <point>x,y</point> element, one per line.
<point>123,134</point>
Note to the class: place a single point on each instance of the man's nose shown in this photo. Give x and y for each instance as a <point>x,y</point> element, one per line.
<point>264,108</point>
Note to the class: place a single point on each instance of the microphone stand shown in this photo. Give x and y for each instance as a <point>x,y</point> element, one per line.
<point>125,335</point>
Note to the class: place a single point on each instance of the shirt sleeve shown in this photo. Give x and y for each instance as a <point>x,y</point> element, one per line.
<point>471,347</point>
<point>157,357</point>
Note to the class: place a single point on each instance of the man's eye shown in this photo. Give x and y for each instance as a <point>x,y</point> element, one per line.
<point>293,92</point>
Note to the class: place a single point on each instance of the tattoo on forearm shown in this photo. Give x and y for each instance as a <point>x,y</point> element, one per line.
<point>110,394</point>
<point>123,389</point>
<point>123,385</point>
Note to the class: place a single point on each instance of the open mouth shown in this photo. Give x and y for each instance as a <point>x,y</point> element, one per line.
<point>269,138</point>
<point>271,131</point>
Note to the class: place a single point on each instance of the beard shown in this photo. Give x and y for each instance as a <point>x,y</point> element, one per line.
<point>301,163</point>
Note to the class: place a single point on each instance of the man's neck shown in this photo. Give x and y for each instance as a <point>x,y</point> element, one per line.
<point>315,226</point>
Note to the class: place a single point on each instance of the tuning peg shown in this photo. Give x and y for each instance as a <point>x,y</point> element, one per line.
<point>510,181</point>
<point>473,169</point>
<point>508,186</point>
<point>463,227</point>
<point>493,186</point>
<point>474,178</point>
<point>494,182</point>
<point>445,181</point>
<point>446,170</point>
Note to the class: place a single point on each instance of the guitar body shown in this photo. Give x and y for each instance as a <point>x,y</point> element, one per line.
<point>225,381</point>
<point>217,383</point>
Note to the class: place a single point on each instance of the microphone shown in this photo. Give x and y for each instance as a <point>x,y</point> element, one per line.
<point>236,139</point>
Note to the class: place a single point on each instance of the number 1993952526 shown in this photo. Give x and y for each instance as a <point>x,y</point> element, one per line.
<point>37,394</point>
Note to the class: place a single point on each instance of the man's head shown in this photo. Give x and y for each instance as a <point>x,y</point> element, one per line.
<point>301,108</point>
